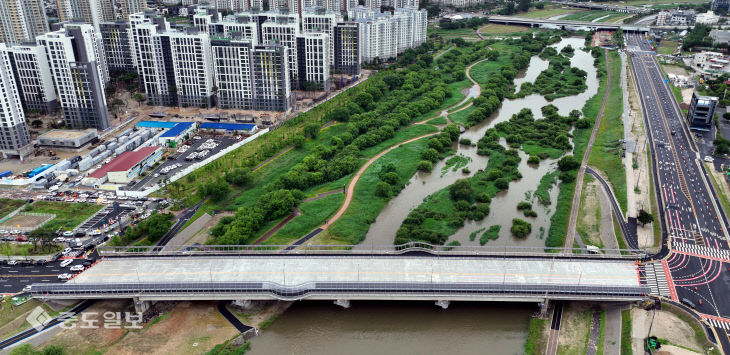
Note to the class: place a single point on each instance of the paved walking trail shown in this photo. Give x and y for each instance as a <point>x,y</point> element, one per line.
<point>581,172</point>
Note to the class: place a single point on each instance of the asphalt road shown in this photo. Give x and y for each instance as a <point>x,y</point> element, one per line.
<point>690,212</point>
<point>14,278</point>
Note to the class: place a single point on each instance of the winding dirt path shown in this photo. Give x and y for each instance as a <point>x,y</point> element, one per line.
<point>358,174</point>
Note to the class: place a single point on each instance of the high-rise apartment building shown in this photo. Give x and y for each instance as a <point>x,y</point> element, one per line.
<point>314,61</point>
<point>128,7</point>
<point>271,83</point>
<point>283,29</point>
<point>720,5</point>
<point>33,78</point>
<point>175,68</point>
<point>78,66</point>
<point>85,11</point>
<point>346,54</point>
<point>22,20</point>
<point>118,52</point>
<point>13,130</point>
<point>321,20</point>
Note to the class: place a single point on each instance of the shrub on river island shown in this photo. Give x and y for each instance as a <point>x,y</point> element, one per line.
<point>520,228</point>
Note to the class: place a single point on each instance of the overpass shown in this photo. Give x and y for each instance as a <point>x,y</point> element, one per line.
<point>565,24</point>
<point>344,276</point>
<point>605,7</point>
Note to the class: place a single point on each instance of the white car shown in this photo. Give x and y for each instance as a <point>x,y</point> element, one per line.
<point>709,159</point>
<point>12,262</point>
<point>66,262</point>
<point>156,175</point>
<point>77,268</point>
<point>68,233</point>
<point>60,239</point>
<point>65,276</point>
<point>66,251</point>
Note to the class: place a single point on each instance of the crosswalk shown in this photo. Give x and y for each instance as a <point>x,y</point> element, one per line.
<point>718,324</point>
<point>657,280</point>
<point>702,250</point>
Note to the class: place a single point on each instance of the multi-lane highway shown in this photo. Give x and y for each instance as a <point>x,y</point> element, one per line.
<point>696,255</point>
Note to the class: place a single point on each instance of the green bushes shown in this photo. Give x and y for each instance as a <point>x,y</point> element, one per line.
<point>559,79</point>
<point>151,229</point>
<point>520,228</point>
<point>491,234</point>
<point>425,165</point>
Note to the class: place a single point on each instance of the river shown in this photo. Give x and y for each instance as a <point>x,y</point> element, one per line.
<point>313,327</point>
<point>503,206</point>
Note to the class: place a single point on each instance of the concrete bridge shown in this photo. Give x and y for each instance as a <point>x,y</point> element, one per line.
<point>565,24</point>
<point>605,7</point>
<point>344,276</point>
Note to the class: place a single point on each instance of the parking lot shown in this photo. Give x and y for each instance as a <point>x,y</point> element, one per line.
<point>201,147</point>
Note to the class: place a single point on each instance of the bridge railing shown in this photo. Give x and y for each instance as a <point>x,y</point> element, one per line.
<point>408,248</point>
<point>333,289</point>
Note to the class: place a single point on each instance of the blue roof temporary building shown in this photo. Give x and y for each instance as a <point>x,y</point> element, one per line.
<point>179,128</point>
<point>156,124</point>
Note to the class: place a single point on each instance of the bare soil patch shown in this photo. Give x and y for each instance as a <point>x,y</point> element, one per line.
<point>202,235</point>
<point>190,328</point>
<point>575,328</point>
<point>21,220</point>
<point>666,326</point>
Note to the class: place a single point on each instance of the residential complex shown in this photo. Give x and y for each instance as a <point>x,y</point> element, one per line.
<point>13,130</point>
<point>384,35</point>
<point>22,20</point>
<point>78,66</point>
<point>459,3</point>
<point>85,11</point>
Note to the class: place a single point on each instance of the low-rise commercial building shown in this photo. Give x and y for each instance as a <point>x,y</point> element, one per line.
<point>177,134</point>
<point>125,167</point>
<point>65,139</point>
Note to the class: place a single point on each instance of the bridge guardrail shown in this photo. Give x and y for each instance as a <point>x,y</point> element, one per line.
<point>201,250</point>
<point>310,289</point>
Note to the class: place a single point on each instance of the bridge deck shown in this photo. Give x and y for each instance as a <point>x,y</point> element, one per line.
<point>292,270</point>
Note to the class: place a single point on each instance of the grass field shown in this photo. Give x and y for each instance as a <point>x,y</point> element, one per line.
<point>606,153</point>
<point>480,72</point>
<point>313,214</point>
<point>28,249</point>
<point>668,47</point>
<point>460,117</point>
<point>536,340</point>
<point>548,11</point>
<point>12,318</point>
<point>497,29</point>
<point>401,135</point>
<point>7,205</point>
<point>365,206</point>
<point>465,33</point>
<point>591,15</point>
<point>626,348</point>
<point>68,215</point>
<point>437,121</point>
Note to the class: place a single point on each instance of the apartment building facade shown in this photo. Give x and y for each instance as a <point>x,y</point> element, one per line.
<point>13,130</point>
<point>22,20</point>
<point>33,78</point>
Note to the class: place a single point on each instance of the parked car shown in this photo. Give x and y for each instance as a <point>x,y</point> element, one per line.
<point>66,251</point>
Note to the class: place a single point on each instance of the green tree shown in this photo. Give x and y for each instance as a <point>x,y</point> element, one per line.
<point>383,189</point>
<point>425,165</point>
<point>568,162</point>
<point>312,130</point>
<point>238,177</point>
<point>298,141</point>
<point>644,217</point>
<point>461,190</point>
<point>139,97</point>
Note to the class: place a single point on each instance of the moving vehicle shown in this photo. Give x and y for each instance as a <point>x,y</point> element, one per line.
<point>66,262</point>
<point>65,276</point>
<point>77,268</point>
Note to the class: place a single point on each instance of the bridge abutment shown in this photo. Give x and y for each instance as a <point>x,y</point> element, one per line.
<point>141,306</point>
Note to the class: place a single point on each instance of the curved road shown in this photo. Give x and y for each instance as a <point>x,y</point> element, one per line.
<point>629,235</point>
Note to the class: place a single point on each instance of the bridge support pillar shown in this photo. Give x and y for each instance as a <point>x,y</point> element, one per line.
<point>544,305</point>
<point>444,304</point>
<point>343,303</point>
<point>140,306</point>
